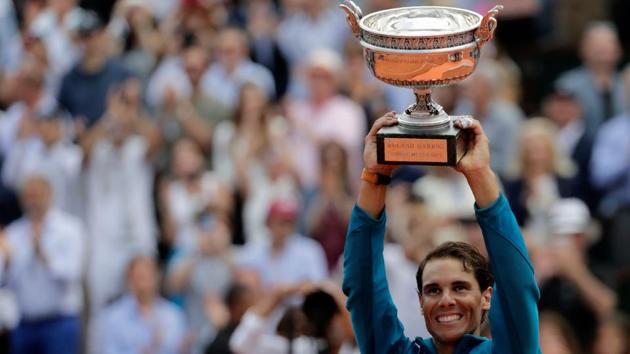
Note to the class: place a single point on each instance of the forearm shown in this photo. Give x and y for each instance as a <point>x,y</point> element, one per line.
<point>484,186</point>
<point>265,307</point>
<point>151,134</point>
<point>372,198</point>
<point>93,136</point>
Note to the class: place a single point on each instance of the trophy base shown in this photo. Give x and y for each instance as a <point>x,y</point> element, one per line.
<point>434,146</point>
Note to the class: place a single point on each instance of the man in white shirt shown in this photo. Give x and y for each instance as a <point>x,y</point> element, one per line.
<point>45,267</point>
<point>287,257</point>
<point>224,78</point>
<point>119,201</point>
<point>47,151</point>
<point>317,25</point>
<point>30,101</point>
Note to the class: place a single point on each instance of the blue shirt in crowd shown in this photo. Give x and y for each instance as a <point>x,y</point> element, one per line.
<point>123,329</point>
<point>85,94</point>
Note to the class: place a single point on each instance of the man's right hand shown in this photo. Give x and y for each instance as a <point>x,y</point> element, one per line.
<point>372,197</point>
<point>369,152</point>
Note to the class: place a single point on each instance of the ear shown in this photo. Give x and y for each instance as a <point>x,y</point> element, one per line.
<point>421,301</point>
<point>486,297</point>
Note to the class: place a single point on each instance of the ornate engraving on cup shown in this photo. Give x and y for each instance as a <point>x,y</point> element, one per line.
<point>421,47</point>
<point>436,68</point>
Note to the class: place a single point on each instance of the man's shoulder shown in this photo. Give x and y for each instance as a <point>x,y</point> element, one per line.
<point>116,67</point>
<point>16,228</point>
<point>616,126</point>
<point>578,73</point>
<point>621,120</point>
<point>575,80</point>
<point>121,307</point>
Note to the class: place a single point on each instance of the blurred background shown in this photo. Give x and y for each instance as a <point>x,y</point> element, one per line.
<point>177,175</point>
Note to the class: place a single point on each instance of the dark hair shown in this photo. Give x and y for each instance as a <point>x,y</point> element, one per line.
<point>291,324</point>
<point>235,294</point>
<point>565,329</point>
<point>238,111</point>
<point>319,308</point>
<point>472,260</point>
<point>324,148</point>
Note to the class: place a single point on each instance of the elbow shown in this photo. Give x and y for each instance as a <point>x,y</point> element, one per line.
<point>531,288</point>
<point>348,289</point>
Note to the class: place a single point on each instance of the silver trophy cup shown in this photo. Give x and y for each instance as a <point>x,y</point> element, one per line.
<point>421,47</point>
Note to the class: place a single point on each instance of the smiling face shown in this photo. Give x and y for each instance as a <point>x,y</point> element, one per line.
<point>451,300</point>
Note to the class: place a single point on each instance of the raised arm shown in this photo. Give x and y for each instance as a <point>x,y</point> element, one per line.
<point>514,314</point>
<point>374,316</point>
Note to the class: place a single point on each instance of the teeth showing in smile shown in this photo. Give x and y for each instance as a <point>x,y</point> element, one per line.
<point>449,318</point>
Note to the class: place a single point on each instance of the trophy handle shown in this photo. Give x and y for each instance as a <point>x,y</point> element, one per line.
<point>485,32</point>
<point>353,16</point>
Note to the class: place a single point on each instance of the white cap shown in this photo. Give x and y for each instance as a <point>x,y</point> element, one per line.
<point>568,217</point>
<point>325,59</point>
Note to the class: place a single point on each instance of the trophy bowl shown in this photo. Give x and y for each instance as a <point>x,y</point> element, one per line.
<point>421,47</point>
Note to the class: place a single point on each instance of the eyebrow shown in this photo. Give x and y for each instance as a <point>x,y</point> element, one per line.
<point>457,282</point>
<point>430,285</point>
<point>462,282</point>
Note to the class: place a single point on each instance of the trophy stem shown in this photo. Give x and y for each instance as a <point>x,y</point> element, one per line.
<point>425,112</point>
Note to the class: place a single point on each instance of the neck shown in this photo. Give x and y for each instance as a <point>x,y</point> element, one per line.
<point>231,67</point>
<point>319,102</point>
<point>92,62</point>
<point>313,14</point>
<point>278,245</point>
<point>33,99</point>
<point>37,217</point>
<point>602,75</point>
<point>145,302</point>
<point>535,172</point>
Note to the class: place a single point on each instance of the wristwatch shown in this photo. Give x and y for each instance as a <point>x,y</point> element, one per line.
<point>375,178</point>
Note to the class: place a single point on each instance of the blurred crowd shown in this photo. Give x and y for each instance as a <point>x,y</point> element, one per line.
<point>176,176</point>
